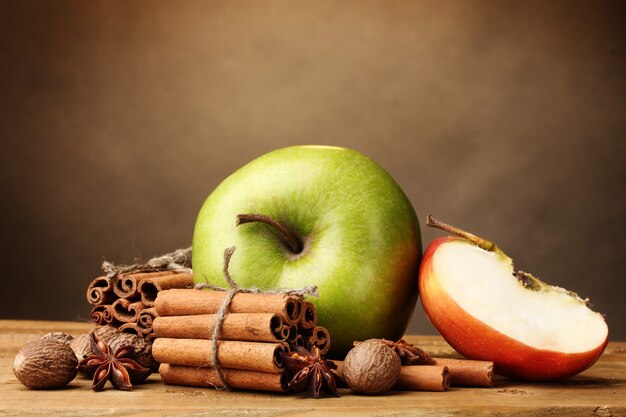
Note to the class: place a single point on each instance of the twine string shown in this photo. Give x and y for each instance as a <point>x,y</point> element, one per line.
<point>177,261</point>
<point>234,289</point>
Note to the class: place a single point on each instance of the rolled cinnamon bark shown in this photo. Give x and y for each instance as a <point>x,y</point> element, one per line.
<point>251,327</point>
<point>299,341</point>
<point>284,331</point>
<point>187,302</point>
<point>308,319</point>
<point>100,291</point>
<point>126,286</point>
<point>101,314</point>
<point>292,333</point>
<point>416,377</point>
<point>126,311</point>
<point>146,318</point>
<point>252,356</point>
<point>468,373</point>
<point>321,337</point>
<point>132,328</point>
<point>150,287</point>
<point>235,378</point>
<point>423,378</point>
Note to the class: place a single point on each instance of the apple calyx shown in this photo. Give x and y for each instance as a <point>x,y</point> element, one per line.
<point>289,237</point>
<point>526,279</point>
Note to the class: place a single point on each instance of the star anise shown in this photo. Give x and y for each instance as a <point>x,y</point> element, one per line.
<point>117,367</point>
<point>310,370</point>
<point>409,354</point>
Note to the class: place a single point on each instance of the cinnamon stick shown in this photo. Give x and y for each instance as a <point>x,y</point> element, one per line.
<point>292,333</point>
<point>150,287</point>
<point>131,328</point>
<point>187,302</point>
<point>308,319</point>
<point>235,378</point>
<point>423,378</point>
<point>252,356</point>
<point>299,341</point>
<point>101,314</point>
<point>126,286</point>
<point>320,337</point>
<point>126,311</point>
<point>146,318</point>
<point>100,291</point>
<point>468,373</point>
<point>251,327</point>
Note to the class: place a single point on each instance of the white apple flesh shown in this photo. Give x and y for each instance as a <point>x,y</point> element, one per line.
<point>488,311</point>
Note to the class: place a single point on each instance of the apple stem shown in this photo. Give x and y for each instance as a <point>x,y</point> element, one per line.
<point>288,236</point>
<point>478,241</point>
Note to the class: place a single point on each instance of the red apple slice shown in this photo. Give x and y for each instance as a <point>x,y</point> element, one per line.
<point>487,310</point>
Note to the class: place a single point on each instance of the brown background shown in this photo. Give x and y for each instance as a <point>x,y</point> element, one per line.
<point>119,117</point>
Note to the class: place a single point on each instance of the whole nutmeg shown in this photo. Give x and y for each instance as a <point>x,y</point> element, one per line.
<point>60,336</point>
<point>371,367</point>
<point>142,349</point>
<point>45,363</point>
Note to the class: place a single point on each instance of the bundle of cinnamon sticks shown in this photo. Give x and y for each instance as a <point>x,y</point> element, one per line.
<point>127,301</point>
<point>254,333</point>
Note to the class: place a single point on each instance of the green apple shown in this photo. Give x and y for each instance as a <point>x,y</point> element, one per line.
<point>324,216</point>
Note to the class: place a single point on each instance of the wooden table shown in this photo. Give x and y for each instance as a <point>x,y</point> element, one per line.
<point>600,391</point>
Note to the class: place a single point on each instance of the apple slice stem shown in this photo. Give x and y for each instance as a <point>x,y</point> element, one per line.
<point>288,236</point>
<point>476,240</point>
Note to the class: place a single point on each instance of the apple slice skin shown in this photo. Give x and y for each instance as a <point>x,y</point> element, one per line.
<point>475,340</point>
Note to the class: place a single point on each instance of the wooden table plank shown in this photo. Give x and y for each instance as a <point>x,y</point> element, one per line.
<point>600,391</point>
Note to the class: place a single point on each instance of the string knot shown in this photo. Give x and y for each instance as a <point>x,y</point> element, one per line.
<point>177,261</point>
